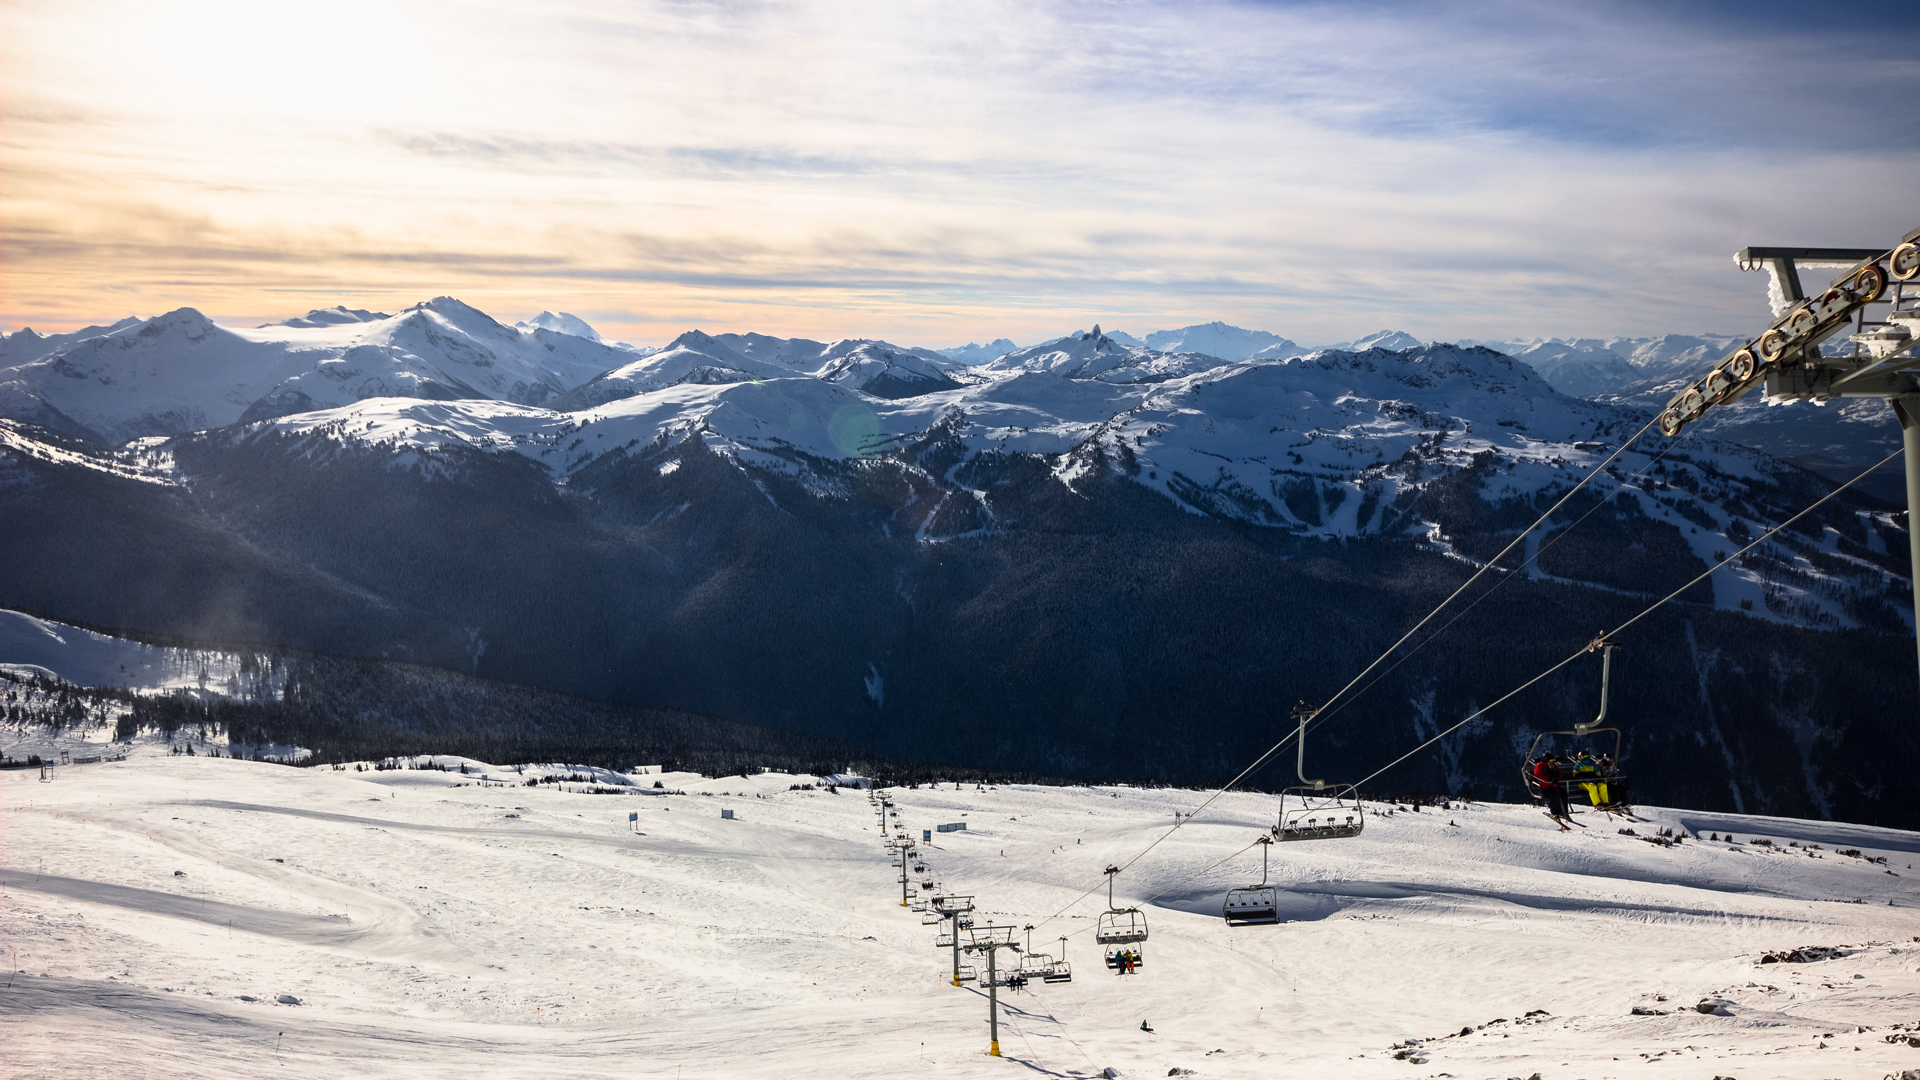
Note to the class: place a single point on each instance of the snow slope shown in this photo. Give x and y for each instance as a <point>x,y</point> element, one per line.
<point>82,657</point>
<point>170,911</point>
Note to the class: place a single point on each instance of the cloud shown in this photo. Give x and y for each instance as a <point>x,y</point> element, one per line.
<point>952,171</point>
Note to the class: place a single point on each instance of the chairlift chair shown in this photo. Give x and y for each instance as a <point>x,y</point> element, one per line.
<point>1260,903</point>
<point>1595,731</point>
<point>1034,964</point>
<point>1120,929</point>
<point>1060,971</point>
<point>1315,809</point>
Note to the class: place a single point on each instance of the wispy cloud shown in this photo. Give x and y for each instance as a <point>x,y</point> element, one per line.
<point>936,172</point>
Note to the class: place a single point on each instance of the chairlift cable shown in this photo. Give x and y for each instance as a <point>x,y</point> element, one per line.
<point>1662,602</point>
<point>1162,892</point>
<point>1490,563</point>
<point>1326,714</point>
<point>1259,761</point>
<point>1262,759</point>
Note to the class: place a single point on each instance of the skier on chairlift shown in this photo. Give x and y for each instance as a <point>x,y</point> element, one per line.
<point>1547,772</point>
<point>1616,784</point>
<point>1586,773</point>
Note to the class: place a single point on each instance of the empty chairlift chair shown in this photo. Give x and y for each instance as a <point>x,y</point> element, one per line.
<point>1251,904</point>
<point>1315,809</point>
<point>1039,965</point>
<point>1060,970</point>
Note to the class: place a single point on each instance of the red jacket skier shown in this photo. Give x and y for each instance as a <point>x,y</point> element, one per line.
<point>1547,774</point>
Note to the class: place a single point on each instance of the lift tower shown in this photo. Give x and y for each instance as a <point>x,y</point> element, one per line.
<point>1876,301</point>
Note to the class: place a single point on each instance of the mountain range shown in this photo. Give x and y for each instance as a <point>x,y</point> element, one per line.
<point>1086,557</point>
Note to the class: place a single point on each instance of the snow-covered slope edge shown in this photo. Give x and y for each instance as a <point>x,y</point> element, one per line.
<point>433,924</point>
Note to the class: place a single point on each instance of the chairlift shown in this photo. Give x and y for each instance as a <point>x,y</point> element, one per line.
<point>1059,971</point>
<point>1315,809</point>
<point>1598,746</point>
<point>1121,929</point>
<point>1011,978</point>
<point>1039,965</point>
<point>1033,963</point>
<point>1254,903</point>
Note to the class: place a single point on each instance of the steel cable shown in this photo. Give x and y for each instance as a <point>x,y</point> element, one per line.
<point>1662,602</point>
<point>1262,759</point>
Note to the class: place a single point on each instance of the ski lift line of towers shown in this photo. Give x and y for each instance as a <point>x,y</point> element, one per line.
<point>1786,360</point>
<point>956,912</point>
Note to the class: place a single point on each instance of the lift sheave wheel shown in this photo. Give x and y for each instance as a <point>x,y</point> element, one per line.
<point>1868,284</point>
<point>1905,262</point>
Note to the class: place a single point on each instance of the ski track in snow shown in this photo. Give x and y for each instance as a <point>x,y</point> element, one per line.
<point>428,933</point>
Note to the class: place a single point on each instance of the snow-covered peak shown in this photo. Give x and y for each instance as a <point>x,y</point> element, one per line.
<point>26,345</point>
<point>338,315</point>
<point>975,353</point>
<point>1224,341</point>
<point>181,372</point>
<point>560,323</point>
<point>184,323</point>
<point>458,315</point>
<point>693,357</point>
<point>889,371</point>
<point>801,354</point>
<point>1382,339</point>
<point>1582,368</point>
<point>1094,355</point>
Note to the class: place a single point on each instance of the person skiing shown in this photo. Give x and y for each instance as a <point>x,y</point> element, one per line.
<point>1546,772</point>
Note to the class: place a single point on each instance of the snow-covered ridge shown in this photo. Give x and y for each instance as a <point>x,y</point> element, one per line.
<point>1332,443</point>
<point>181,372</point>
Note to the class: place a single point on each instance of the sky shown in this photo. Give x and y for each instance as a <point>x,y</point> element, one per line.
<point>936,173</point>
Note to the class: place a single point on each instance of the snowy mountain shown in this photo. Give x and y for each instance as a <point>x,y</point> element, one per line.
<point>976,563</point>
<point>1589,367</point>
<point>1578,368</point>
<point>338,315</point>
<point>181,372</point>
<point>25,345</point>
<point>1382,339</point>
<point>972,353</point>
<point>559,323</point>
<point>1095,355</point>
<point>1224,341</point>
<point>1837,439</point>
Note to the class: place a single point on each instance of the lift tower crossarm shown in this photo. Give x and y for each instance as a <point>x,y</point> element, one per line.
<point>1782,260</point>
